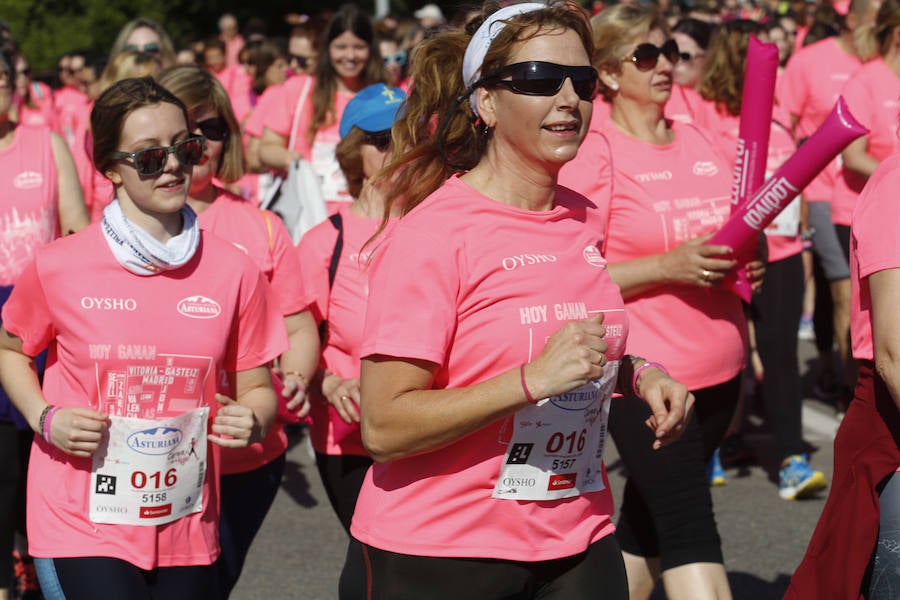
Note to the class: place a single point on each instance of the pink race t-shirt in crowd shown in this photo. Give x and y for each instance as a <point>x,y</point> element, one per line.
<point>874,247</point>
<point>783,234</point>
<point>344,308</point>
<point>476,287</point>
<point>237,83</point>
<point>108,331</point>
<point>808,88</point>
<point>653,199</point>
<point>321,152</point>
<point>29,213</point>
<point>873,96</point>
<point>261,235</point>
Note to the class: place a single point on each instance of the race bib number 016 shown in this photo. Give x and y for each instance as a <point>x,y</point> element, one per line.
<point>556,450</point>
<point>150,471</point>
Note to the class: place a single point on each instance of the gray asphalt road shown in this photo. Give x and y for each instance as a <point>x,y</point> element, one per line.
<point>300,549</point>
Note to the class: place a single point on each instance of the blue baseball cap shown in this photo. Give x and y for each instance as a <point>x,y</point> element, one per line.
<point>373,108</point>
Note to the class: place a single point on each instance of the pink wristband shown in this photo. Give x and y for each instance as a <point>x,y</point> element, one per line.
<point>47,420</point>
<point>639,370</point>
<point>528,395</point>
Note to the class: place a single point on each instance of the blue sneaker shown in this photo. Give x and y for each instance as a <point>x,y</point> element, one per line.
<point>714,471</point>
<point>798,480</point>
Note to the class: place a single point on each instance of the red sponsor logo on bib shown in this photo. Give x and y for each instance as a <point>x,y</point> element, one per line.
<point>152,512</point>
<point>563,481</point>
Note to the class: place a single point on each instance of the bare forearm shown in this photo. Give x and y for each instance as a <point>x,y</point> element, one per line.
<point>19,379</point>
<point>637,276</point>
<point>418,421</point>
<point>303,354</point>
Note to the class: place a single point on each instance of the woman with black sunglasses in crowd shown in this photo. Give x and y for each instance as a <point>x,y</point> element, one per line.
<point>155,353</point>
<point>494,337</point>
<point>250,477</point>
<point>664,190</point>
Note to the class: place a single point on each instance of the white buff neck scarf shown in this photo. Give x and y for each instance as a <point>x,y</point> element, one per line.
<point>140,252</point>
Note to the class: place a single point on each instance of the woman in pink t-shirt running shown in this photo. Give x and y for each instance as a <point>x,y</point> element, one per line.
<point>494,337</point>
<point>155,352</point>
<point>250,477</point>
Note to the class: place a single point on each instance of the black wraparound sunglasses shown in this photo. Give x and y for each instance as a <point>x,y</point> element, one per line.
<point>150,162</point>
<point>538,78</point>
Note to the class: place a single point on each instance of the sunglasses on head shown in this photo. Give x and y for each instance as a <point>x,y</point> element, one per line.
<point>646,55</point>
<point>150,162</point>
<point>380,139</point>
<point>398,57</point>
<point>215,129</point>
<point>151,47</point>
<point>538,78</point>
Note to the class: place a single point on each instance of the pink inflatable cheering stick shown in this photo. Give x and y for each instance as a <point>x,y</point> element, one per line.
<point>756,120</point>
<point>745,224</point>
<point>753,140</point>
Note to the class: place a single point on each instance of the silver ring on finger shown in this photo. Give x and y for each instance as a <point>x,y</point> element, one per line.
<point>345,398</point>
<point>706,274</point>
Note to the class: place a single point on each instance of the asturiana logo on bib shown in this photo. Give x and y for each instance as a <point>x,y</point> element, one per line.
<point>199,307</point>
<point>155,441</point>
<point>593,257</point>
<point>27,180</point>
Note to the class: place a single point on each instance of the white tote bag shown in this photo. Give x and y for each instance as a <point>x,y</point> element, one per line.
<point>297,197</point>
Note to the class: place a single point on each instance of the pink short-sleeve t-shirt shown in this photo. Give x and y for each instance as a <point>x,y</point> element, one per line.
<point>873,96</point>
<point>808,88</point>
<point>874,247</point>
<point>655,198</point>
<point>344,307</point>
<point>476,287</point>
<point>107,329</point>
<point>321,152</point>
<point>262,236</point>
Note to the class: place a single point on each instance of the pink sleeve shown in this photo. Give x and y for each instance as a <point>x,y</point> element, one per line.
<point>792,88</point>
<point>287,285</point>
<point>590,172</point>
<point>860,100</point>
<point>314,252</point>
<point>278,113</point>
<point>412,309</point>
<point>259,334</point>
<point>874,222</point>
<point>255,122</point>
<point>27,313</point>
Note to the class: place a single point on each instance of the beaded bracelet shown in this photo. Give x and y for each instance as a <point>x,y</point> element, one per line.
<point>528,395</point>
<point>639,370</point>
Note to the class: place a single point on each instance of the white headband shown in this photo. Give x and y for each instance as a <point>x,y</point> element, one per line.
<point>484,37</point>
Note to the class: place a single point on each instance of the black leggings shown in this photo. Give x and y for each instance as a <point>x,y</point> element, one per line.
<point>776,313</point>
<point>598,572</point>
<point>343,475</point>
<point>93,577</point>
<point>666,507</point>
<point>15,447</point>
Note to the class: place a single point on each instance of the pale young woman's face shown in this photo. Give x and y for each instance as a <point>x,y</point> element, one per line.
<point>152,197</point>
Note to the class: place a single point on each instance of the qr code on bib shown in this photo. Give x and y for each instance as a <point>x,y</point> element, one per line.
<point>106,484</point>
